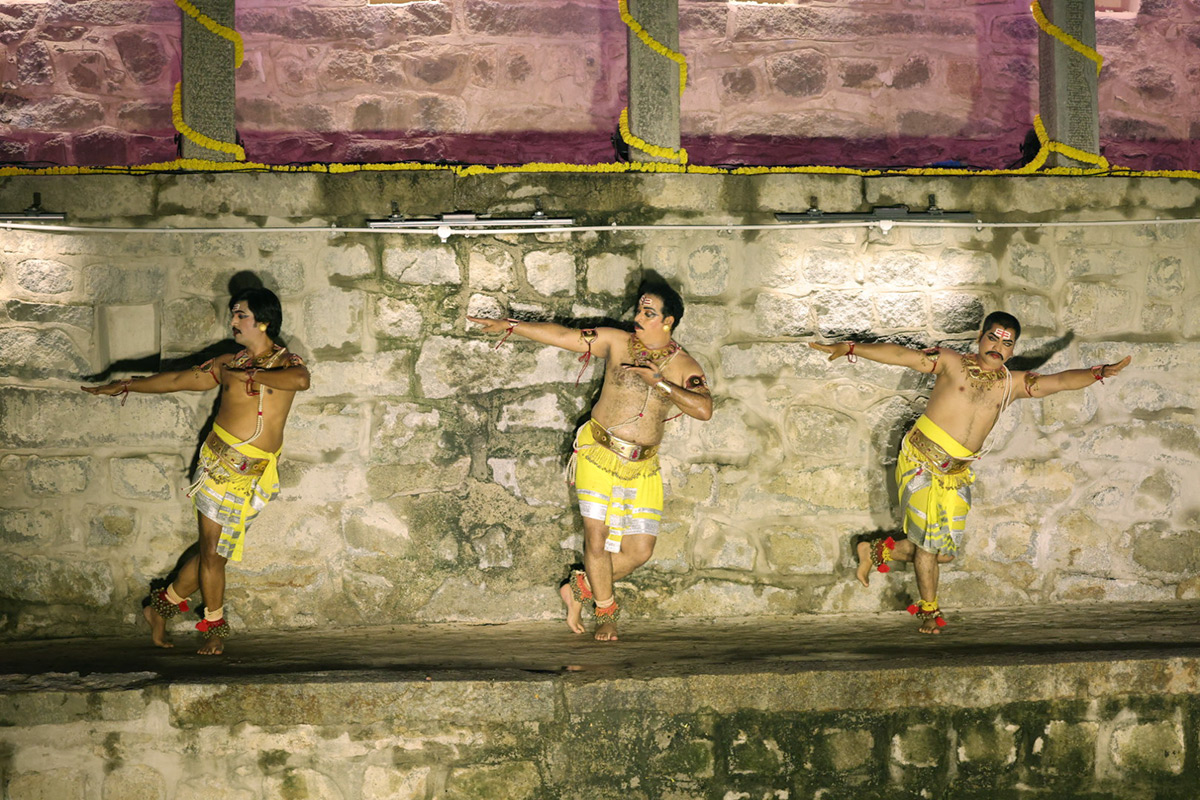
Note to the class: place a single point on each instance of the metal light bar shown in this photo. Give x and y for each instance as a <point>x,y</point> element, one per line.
<point>33,213</point>
<point>891,214</point>
<point>463,222</point>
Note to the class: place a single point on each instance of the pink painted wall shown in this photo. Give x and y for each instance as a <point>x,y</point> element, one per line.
<point>871,83</point>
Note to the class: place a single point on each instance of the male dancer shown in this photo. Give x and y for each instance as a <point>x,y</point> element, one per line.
<point>237,474</point>
<point>647,378</point>
<point>933,472</point>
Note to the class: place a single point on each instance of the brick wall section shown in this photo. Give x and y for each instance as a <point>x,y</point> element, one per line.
<point>501,82</point>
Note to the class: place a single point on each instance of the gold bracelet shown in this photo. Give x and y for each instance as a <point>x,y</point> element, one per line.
<point>663,387</point>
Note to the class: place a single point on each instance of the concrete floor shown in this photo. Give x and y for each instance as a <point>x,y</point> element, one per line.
<point>534,650</point>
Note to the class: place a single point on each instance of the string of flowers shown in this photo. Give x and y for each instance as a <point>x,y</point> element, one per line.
<point>1050,145</point>
<point>469,170</point>
<point>661,49</point>
<point>1058,33</point>
<point>188,132</point>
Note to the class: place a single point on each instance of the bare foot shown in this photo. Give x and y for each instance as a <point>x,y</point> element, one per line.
<point>158,627</point>
<point>863,573</point>
<point>606,632</point>
<point>213,646</point>
<point>930,626</point>
<point>574,609</point>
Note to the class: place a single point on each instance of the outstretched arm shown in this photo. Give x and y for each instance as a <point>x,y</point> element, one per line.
<point>884,353</point>
<point>289,379</point>
<point>551,333</point>
<point>1034,385</point>
<point>192,380</point>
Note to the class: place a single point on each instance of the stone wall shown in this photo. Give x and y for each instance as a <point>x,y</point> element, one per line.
<point>1077,731</point>
<point>422,471</point>
<point>885,83</point>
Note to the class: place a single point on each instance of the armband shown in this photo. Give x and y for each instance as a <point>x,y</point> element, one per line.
<point>586,336</point>
<point>1031,383</point>
<point>696,382</point>
<point>206,368</point>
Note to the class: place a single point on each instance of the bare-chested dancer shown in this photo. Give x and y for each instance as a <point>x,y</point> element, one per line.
<point>933,472</point>
<point>237,474</point>
<point>647,379</point>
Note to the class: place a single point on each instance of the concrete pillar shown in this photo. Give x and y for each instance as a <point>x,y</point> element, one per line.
<point>208,81</point>
<point>653,78</point>
<point>1067,83</point>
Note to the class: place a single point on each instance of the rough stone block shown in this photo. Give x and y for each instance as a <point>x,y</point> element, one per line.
<point>148,478</point>
<point>333,320</point>
<point>191,322</point>
<point>711,598</point>
<point>959,312</point>
<point>491,268</point>
<point>110,526</point>
<point>421,265</point>
<point>386,374</point>
<point>53,784</point>
<point>708,268</point>
<point>814,430</point>
<point>47,580</point>
<point>921,745</point>
<point>905,310</point>
<point>847,750</point>
<point>961,267</point>
<point>550,272</point>
<point>348,259</point>
<point>783,315</point>
<point>291,782</point>
<point>47,418</point>
<point>1165,280</point>
<point>794,552</point>
<point>987,743</point>
<point>1032,265</point>
<point>323,431</point>
<point>1066,748</point>
<point>609,273</point>
<point>756,360</point>
<point>725,547</point>
<point>35,354</point>
<point>1097,308</point>
<point>397,319</point>
<point>842,314</point>
<point>58,475</point>
<point>1150,748</point>
<point>390,480</point>
<point>538,411</point>
<point>447,367</point>
<point>1160,551</point>
<point>111,284</point>
<point>82,317</point>
<point>135,780</point>
<point>901,268</point>
<point>394,783</point>
<point>23,525</point>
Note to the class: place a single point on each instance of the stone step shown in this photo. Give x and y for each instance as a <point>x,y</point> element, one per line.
<point>1075,701</point>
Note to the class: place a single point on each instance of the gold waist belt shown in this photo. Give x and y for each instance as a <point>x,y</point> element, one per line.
<point>227,465</point>
<point>626,450</point>
<point>935,454</point>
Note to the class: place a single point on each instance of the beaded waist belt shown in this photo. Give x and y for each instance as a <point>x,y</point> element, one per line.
<point>626,450</point>
<point>935,453</point>
<point>226,463</point>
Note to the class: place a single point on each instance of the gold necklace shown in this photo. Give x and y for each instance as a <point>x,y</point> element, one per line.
<point>640,353</point>
<point>980,377</point>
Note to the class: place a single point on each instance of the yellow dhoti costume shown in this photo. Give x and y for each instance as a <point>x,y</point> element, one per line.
<point>234,482</point>
<point>617,482</point>
<point>934,477</point>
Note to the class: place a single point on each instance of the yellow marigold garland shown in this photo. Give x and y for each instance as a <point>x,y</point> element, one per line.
<point>235,150</point>
<point>661,49</point>
<point>217,28</point>
<point>1058,33</point>
<point>190,133</point>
